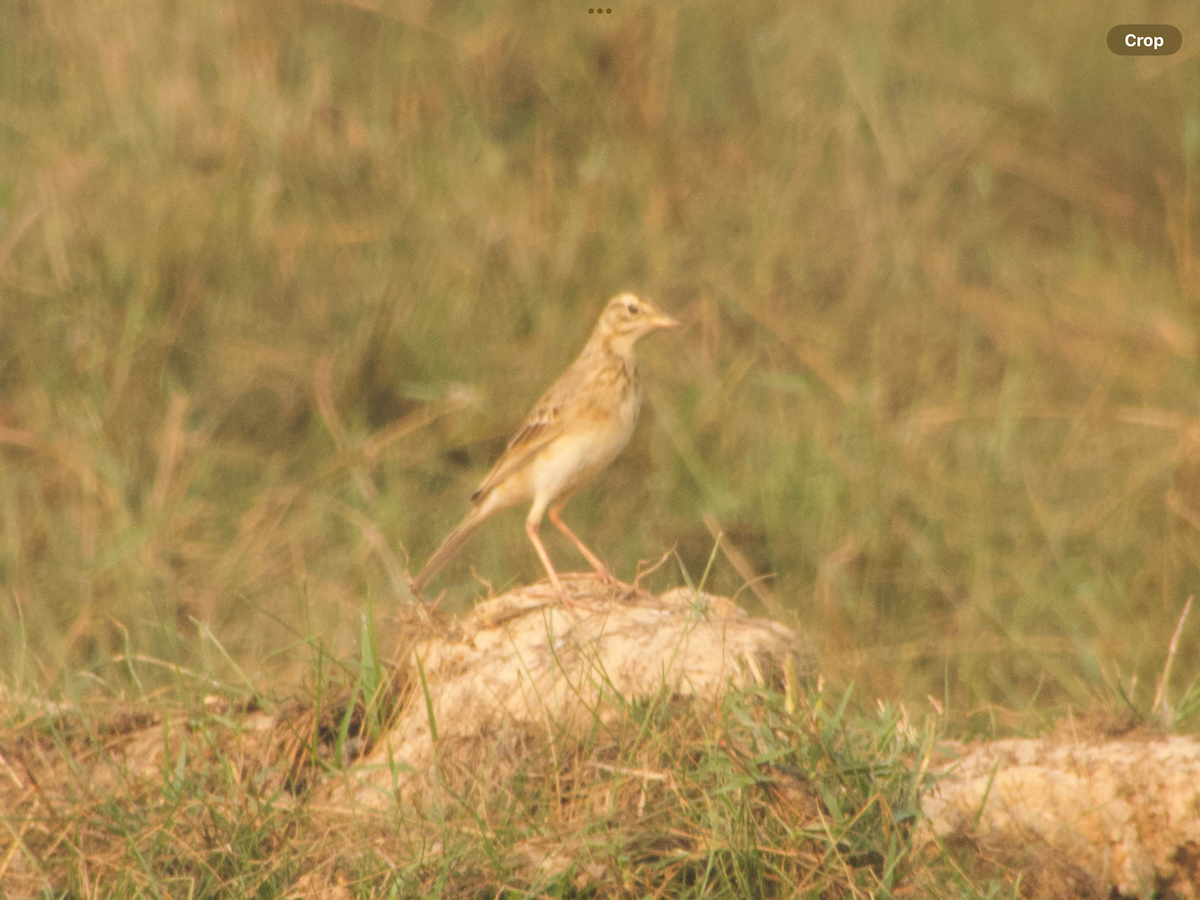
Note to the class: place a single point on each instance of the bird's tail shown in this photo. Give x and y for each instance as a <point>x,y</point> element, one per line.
<point>450,546</point>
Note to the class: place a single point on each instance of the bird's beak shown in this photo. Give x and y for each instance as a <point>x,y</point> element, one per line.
<point>661,321</point>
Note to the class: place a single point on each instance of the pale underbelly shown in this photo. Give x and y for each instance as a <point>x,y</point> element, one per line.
<point>564,466</point>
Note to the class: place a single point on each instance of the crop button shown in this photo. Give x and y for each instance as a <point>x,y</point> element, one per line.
<point>1144,40</point>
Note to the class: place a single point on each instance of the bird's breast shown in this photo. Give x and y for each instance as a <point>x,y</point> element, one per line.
<point>595,428</point>
<point>574,458</point>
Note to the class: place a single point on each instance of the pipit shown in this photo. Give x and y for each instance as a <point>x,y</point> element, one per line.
<point>578,427</point>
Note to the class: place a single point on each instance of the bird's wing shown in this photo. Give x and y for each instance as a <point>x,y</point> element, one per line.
<point>543,424</point>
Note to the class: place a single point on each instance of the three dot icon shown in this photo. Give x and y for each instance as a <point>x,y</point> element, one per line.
<point>601,11</point>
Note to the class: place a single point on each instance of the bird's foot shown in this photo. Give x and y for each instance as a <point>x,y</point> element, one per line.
<point>609,578</point>
<point>565,600</point>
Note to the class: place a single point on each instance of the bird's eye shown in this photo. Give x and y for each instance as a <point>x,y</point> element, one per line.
<point>632,309</point>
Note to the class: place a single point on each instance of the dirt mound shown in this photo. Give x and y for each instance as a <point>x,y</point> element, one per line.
<point>522,662</point>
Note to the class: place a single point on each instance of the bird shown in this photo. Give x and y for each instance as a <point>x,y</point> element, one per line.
<point>579,426</point>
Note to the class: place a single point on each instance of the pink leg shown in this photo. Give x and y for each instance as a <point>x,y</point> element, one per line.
<point>531,529</point>
<point>601,569</point>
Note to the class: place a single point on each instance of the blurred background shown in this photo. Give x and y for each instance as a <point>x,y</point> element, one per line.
<point>279,279</point>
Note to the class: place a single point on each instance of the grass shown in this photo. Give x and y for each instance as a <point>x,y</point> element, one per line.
<point>764,793</point>
<point>279,286</point>
<point>209,789</point>
<point>278,280</point>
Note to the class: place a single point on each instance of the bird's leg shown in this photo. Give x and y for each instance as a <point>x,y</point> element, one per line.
<point>601,569</point>
<point>531,529</point>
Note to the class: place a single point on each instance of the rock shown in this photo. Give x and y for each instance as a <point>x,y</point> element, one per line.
<point>1126,812</point>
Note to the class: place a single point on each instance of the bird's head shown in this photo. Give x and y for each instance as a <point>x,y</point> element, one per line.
<point>628,317</point>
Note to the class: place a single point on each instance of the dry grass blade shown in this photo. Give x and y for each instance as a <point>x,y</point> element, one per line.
<point>1162,702</point>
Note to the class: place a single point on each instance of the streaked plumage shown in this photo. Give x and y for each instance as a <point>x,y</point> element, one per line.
<point>578,427</point>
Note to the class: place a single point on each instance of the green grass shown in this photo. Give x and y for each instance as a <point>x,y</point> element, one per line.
<point>276,283</point>
<point>761,794</point>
